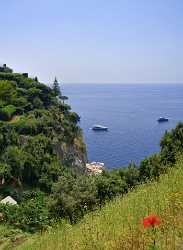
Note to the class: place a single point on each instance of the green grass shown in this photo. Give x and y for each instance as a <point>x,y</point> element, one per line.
<point>119,224</point>
<point>10,237</point>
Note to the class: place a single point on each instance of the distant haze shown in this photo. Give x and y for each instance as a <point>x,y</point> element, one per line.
<point>94,41</point>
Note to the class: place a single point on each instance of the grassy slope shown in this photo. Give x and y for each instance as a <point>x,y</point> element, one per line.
<point>10,236</point>
<point>119,224</point>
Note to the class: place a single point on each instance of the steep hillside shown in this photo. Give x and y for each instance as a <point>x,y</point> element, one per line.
<point>119,224</point>
<point>39,135</point>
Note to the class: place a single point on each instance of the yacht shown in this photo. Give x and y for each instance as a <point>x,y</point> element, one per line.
<point>163,119</point>
<point>99,127</point>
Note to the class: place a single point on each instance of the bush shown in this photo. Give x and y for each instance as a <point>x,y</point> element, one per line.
<point>74,117</point>
<point>171,144</point>
<point>72,197</point>
<point>151,167</point>
<point>7,91</point>
<point>108,186</point>
<point>27,125</point>
<point>5,69</point>
<point>7,112</point>
<point>30,215</point>
<point>37,103</point>
<point>20,101</point>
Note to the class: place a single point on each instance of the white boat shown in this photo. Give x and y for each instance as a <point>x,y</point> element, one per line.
<point>163,119</point>
<point>99,127</point>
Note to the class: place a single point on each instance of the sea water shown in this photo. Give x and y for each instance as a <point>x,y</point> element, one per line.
<point>130,111</point>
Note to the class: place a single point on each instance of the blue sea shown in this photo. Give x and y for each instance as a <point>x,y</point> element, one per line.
<point>130,112</point>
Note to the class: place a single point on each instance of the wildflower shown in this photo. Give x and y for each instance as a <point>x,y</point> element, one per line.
<point>151,221</point>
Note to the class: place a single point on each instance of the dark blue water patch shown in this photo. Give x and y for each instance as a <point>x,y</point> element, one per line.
<point>130,112</point>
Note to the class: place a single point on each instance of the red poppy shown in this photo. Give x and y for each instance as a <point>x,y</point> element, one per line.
<point>151,221</point>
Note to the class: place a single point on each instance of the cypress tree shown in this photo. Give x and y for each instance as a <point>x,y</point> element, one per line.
<point>56,88</point>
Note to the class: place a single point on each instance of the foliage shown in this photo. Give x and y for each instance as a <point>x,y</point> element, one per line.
<point>27,154</point>
<point>7,91</point>
<point>7,112</point>
<point>171,144</point>
<point>119,224</point>
<point>130,175</point>
<point>5,69</point>
<point>108,186</point>
<point>30,215</point>
<point>56,88</point>
<point>14,158</point>
<point>32,121</point>
<point>151,167</point>
<point>72,197</point>
<point>9,235</point>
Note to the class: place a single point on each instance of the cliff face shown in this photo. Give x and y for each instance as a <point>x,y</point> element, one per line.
<point>72,155</point>
<point>39,135</point>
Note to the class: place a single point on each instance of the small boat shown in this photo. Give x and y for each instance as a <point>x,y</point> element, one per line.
<point>163,119</point>
<point>99,128</point>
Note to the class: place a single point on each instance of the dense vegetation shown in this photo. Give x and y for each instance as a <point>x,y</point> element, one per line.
<point>119,224</point>
<point>42,158</point>
<point>40,141</point>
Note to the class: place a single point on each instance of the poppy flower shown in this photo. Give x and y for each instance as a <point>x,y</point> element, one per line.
<point>151,221</point>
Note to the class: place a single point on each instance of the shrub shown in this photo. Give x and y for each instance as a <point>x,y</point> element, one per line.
<point>108,186</point>
<point>27,125</point>
<point>5,69</point>
<point>72,197</point>
<point>151,167</point>
<point>20,101</point>
<point>37,102</point>
<point>30,215</point>
<point>7,91</point>
<point>7,112</point>
<point>171,144</point>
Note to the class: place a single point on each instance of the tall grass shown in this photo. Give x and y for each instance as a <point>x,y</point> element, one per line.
<point>118,225</point>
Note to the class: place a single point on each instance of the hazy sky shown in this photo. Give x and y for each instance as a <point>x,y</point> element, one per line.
<point>101,41</point>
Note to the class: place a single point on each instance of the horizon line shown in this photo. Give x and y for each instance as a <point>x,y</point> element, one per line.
<point>121,83</point>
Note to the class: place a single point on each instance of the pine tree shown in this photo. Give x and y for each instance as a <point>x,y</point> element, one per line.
<point>56,88</point>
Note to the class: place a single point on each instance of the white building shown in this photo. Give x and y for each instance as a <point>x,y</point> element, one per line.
<point>8,200</point>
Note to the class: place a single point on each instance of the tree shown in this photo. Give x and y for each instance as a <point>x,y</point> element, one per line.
<point>5,69</point>
<point>56,88</point>
<point>30,215</point>
<point>72,197</point>
<point>33,92</point>
<point>129,174</point>
<point>7,91</point>
<point>64,98</point>
<point>37,102</point>
<point>14,157</point>
<point>108,186</point>
<point>5,172</point>
<point>151,167</point>
<point>172,144</point>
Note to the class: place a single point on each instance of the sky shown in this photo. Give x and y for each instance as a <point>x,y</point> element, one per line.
<point>94,41</point>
